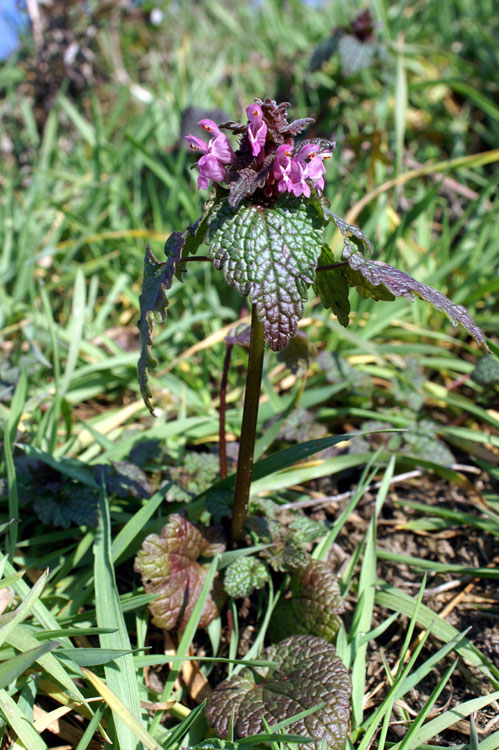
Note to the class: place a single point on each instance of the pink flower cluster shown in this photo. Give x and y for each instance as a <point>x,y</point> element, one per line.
<point>217,154</point>
<point>288,173</point>
<point>292,172</point>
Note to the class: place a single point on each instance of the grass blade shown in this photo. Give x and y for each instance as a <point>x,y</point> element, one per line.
<point>121,677</point>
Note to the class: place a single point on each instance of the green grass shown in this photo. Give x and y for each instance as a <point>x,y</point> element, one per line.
<point>79,199</point>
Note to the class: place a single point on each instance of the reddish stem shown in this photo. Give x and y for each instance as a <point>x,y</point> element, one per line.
<point>222,442</point>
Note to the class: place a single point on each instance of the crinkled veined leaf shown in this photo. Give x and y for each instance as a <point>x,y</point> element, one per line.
<point>245,575</point>
<point>306,529</point>
<point>218,502</point>
<point>285,550</point>
<point>73,505</point>
<point>301,425</point>
<point>168,565</point>
<point>383,280</point>
<point>308,674</point>
<point>486,371</point>
<point>356,54</point>
<point>196,474</point>
<point>158,278</point>
<point>332,287</point>
<point>421,440</point>
<point>314,606</point>
<point>350,231</point>
<point>269,254</point>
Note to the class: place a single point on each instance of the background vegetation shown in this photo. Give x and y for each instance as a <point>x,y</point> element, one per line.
<point>93,167</point>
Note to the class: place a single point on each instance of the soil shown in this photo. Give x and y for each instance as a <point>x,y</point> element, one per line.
<point>464,601</point>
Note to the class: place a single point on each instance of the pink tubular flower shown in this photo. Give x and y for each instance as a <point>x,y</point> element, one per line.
<point>311,160</point>
<point>217,154</point>
<point>282,168</point>
<point>257,130</point>
<point>298,174</point>
<point>292,172</point>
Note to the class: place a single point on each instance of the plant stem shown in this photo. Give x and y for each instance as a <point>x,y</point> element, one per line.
<point>222,443</point>
<point>248,428</point>
<point>331,265</point>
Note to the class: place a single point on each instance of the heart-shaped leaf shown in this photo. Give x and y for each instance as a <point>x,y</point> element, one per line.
<point>245,575</point>
<point>269,254</point>
<point>314,606</point>
<point>168,565</point>
<point>308,674</point>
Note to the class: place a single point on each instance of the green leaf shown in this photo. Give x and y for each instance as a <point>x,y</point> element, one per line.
<point>121,678</point>
<point>381,281</point>
<point>486,372</point>
<point>356,54</point>
<point>91,657</point>
<point>444,721</point>
<point>196,474</point>
<point>314,605</point>
<point>12,668</point>
<point>297,354</point>
<point>269,254</point>
<point>15,618</point>
<point>169,567</point>
<point>332,287</point>
<point>245,575</point>
<point>20,723</point>
<point>308,674</point>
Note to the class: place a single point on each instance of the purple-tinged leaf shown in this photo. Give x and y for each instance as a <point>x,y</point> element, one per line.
<point>235,127</point>
<point>350,231</point>
<point>247,180</point>
<point>153,301</point>
<point>383,280</point>
<point>294,128</point>
<point>168,565</point>
<point>308,674</point>
<point>239,334</point>
<point>269,254</point>
<point>158,278</point>
<point>314,606</point>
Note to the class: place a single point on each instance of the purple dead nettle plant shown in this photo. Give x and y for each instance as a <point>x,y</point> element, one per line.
<point>263,224</point>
